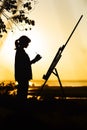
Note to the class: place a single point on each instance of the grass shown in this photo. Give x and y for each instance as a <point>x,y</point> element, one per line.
<point>49,113</point>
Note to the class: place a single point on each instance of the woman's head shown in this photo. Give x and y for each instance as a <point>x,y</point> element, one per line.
<point>22,42</point>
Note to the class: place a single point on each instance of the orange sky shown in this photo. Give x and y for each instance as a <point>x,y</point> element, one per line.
<point>55,21</point>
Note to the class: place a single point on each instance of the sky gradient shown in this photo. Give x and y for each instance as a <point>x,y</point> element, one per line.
<point>55,21</point>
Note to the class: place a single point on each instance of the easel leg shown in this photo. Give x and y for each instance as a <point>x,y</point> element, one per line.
<point>56,73</point>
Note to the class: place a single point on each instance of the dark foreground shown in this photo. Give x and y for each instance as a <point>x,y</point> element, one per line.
<point>50,114</point>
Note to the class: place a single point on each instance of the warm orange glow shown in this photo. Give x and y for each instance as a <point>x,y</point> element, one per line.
<point>54,23</point>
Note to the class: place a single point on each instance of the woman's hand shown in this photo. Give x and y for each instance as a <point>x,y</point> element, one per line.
<point>38,57</point>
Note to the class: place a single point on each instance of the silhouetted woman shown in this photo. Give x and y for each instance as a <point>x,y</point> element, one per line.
<point>23,70</point>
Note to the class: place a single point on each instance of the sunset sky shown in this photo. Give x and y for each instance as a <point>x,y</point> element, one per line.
<point>54,22</point>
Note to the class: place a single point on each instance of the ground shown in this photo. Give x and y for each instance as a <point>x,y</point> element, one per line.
<point>51,114</point>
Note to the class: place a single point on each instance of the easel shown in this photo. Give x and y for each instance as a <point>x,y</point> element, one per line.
<point>60,83</point>
<point>55,61</point>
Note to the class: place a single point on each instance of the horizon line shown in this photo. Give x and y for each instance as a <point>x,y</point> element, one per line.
<point>48,80</point>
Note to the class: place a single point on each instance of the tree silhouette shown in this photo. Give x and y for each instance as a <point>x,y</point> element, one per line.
<point>15,12</point>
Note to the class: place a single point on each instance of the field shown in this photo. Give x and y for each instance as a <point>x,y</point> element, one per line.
<point>50,112</point>
<point>56,91</point>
